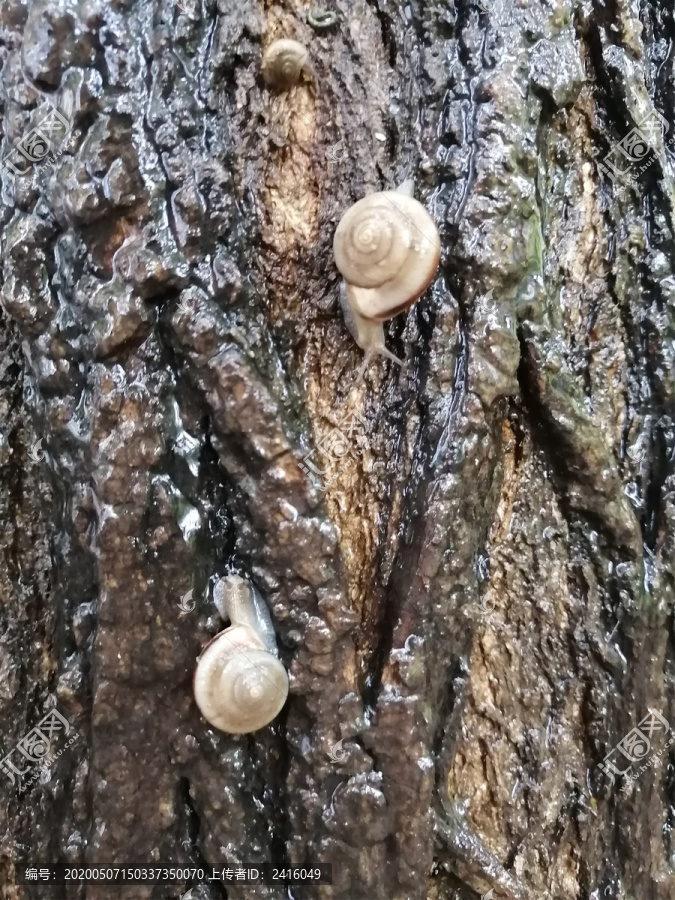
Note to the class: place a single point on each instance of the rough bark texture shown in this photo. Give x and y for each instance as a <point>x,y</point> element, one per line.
<point>479,605</point>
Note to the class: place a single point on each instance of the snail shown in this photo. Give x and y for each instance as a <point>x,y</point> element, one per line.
<point>283,63</point>
<point>387,249</point>
<point>321,19</point>
<point>239,684</point>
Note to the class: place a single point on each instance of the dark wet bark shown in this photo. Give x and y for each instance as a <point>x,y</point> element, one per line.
<point>170,331</point>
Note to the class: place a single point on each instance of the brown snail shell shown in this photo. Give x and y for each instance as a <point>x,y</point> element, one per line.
<point>387,248</point>
<point>239,686</point>
<point>283,63</point>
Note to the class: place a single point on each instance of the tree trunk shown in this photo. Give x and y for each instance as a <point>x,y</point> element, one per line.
<point>474,602</point>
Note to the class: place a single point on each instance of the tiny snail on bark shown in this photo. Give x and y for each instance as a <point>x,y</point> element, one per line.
<point>321,19</point>
<point>387,248</point>
<point>283,63</point>
<point>239,683</point>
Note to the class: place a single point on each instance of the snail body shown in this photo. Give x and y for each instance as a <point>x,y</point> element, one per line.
<point>239,683</point>
<point>283,63</point>
<point>368,334</point>
<point>387,248</point>
<point>237,600</point>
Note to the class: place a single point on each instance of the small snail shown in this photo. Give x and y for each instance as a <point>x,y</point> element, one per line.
<point>283,63</point>
<point>321,19</point>
<point>387,249</point>
<point>239,684</point>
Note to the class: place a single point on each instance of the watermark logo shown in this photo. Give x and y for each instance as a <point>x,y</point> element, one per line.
<point>36,453</point>
<point>622,159</point>
<point>187,603</point>
<point>487,896</point>
<point>185,305</point>
<point>189,895</point>
<point>636,746</point>
<point>136,390</point>
<point>335,154</point>
<point>337,753</point>
<point>41,142</point>
<point>337,448</point>
<point>36,748</point>
<point>488,606</point>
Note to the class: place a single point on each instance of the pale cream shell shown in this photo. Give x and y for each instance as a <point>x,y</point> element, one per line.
<point>239,686</point>
<point>283,62</point>
<point>387,248</point>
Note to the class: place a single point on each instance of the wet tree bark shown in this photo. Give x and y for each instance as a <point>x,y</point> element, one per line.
<point>474,602</point>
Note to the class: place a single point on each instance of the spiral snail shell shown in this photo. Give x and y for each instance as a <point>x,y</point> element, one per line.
<point>283,63</point>
<point>387,248</point>
<point>239,684</point>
